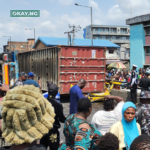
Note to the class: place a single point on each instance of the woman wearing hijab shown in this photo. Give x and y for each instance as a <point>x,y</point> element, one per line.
<point>127,129</point>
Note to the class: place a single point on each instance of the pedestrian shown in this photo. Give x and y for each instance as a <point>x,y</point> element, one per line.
<point>140,71</point>
<point>109,74</point>
<point>148,70</point>
<point>79,133</point>
<point>76,94</point>
<point>133,84</point>
<point>123,84</point>
<point>145,82</point>
<point>22,78</point>
<point>108,142</point>
<point>26,119</point>
<point>127,129</point>
<point>52,139</point>
<point>57,98</point>
<point>104,119</point>
<point>143,70</point>
<point>143,111</point>
<point>142,142</point>
<point>112,72</point>
<point>31,81</point>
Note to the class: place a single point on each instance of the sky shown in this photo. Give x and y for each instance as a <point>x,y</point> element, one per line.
<point>56,15</point>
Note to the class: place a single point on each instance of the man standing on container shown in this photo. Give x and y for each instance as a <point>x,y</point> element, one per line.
<point>75,95</point>
<point>133,84</point>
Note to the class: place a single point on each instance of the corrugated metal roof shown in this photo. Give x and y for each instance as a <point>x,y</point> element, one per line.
<point>53,41</point>
<point>126,26</point>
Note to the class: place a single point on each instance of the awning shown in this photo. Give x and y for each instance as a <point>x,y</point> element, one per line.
<point>111,61</point>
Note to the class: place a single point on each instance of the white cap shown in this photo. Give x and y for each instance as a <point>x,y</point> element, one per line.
<point>134,66</point>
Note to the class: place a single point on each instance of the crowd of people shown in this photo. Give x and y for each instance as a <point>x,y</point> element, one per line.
<point>125,75</point>
<point>32,122</point>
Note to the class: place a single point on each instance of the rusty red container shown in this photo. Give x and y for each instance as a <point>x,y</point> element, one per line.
<point>65,65</point>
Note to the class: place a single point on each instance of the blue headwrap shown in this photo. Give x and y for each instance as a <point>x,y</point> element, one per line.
<point>130,128</point>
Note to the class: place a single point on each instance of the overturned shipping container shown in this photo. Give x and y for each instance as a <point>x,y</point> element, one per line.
<point>65,65</point>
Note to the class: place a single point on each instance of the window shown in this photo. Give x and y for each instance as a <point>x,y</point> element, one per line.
<point>95,37</point>
<point>113,30</point>
<point>101,29</point>
<point>111,51</point>
<point>30,46</point>
<point>103,37</point>
<point>22,46</point>
<point>146,23</point>
<point>113,37</point>
<point>93,29</point>
<point>148,31</point>
<point>106,29</point>
<point>123,30</point>
<point>148,50</point>
<point>122,38</point>
<point>107,37</point>
<point>13,46</point>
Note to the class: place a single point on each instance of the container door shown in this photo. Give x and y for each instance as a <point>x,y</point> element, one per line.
<point>82,62</point>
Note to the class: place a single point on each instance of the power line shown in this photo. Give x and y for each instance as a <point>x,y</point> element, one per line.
<point>74,29</point>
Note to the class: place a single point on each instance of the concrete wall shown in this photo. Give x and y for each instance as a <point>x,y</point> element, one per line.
<point>114,55</point>
<point>137,42</point>
<point>124,53</point>
<point>124,94</point>
<point>109,34</point>
<point>40,46</point>
<point>21,46</point>
<point>127,64</point>
<point>87,33</point>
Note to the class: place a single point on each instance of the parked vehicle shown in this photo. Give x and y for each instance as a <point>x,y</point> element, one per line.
<point>8,68</point>
<point>65,65</point>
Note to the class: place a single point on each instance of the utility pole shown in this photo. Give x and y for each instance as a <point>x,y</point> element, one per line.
<point>75,29</point>
<point>91,27</point>
<point>91,21</point>
<point>68,36</point>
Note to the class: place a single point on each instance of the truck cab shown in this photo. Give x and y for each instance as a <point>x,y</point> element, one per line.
<point>8,68</point>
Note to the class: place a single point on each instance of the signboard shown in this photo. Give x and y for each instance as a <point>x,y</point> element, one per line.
<point>24,13</point>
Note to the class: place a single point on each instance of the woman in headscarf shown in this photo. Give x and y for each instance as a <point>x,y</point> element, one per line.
<point>79,133</point>
<point>127,129</point>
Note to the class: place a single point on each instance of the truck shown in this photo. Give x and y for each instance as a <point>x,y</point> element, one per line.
<point>9,72</point>
<point>65,65</point>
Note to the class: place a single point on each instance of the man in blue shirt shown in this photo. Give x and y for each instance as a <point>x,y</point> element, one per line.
<point>76,94</point>
<point>31,81</point>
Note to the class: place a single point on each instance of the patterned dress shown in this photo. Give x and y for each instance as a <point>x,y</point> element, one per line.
<point>145,127</point>
<point>79,139</point>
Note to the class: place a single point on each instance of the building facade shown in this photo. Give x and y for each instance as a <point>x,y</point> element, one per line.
<point>116,34</point>
<point>139,40</point>
<point>19,46</point>
<point>124,52</point>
